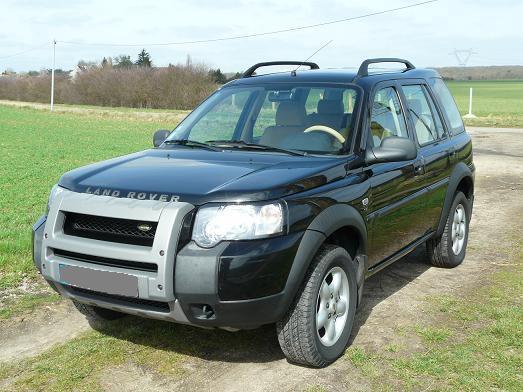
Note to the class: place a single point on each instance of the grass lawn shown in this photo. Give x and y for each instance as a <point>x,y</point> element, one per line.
<point>475,343</point>
<point>37,148</point>
<point>497,103</point>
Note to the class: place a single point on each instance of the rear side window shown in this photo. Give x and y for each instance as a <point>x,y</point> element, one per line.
<point>449,105</point>
<point>387,118</point>
<point>425,118</point>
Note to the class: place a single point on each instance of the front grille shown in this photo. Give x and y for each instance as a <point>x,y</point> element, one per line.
<point>145,304</point>
<point>135,265</point>
<point>125,231</point>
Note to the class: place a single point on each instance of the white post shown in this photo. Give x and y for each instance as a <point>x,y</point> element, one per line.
<point>470,115</point>
<point>52,75</point>
<point>470,102</point>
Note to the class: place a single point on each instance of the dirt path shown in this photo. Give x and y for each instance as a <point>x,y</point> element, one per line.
<point>174,116</point>
<point>25,337</point>
<point>393,298</point>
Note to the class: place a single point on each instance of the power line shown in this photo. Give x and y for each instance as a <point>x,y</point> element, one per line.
<point>25,51</point>
<point>236,37</point>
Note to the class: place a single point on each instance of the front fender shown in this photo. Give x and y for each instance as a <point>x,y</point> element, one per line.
<point>326,223</point>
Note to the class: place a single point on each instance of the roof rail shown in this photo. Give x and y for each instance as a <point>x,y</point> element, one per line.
<point>250,71</point>
<point>364,67</point>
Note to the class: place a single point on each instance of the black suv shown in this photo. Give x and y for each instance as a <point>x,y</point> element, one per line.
<point>270,203</point>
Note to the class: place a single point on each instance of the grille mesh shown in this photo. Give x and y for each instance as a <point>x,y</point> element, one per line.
<point>109,229</point>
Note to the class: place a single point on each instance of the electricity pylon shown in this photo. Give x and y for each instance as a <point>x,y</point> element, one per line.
<point>463,56</point>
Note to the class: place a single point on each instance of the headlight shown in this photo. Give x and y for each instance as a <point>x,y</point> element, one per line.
<point>55,191</point>
<point>230,222</point>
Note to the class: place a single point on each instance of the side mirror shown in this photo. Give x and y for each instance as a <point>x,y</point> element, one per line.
<point>392,149</point>
<point>160,136</point>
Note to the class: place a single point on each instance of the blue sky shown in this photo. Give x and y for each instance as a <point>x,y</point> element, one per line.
<point>425,35</point>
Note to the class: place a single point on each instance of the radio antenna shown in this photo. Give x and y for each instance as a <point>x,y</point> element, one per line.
<point>311,56</point>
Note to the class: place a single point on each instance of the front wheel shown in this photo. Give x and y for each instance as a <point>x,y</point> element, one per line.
<point>317,327</point>
<point>448,250</point>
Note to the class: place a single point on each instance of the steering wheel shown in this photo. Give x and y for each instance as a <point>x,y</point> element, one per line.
<point>322,128</point>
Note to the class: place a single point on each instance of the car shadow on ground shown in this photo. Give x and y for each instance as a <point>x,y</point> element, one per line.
<point>259,345</point>
<point>388,281</point>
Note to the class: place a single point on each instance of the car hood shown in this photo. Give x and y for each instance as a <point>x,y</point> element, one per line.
<point>199,176</point>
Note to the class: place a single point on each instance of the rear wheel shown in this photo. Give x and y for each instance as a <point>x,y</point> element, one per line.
<point>448,250</point>
<point>317,327</point>
<point>95,313</point>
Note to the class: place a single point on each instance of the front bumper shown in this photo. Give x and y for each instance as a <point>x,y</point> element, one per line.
<point>235,284</point>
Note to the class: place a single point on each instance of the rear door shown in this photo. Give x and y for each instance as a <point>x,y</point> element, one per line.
<point>396,205</point>
<point>435,147</point>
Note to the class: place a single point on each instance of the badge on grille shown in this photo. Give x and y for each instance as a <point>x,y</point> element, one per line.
<point>145,227</point>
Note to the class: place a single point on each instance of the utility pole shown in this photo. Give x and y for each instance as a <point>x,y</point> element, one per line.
<point>52,75</point>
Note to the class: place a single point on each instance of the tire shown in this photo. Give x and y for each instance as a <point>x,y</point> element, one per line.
<point>95,313</point>
<point>448,250</point>
<point>298,334</point>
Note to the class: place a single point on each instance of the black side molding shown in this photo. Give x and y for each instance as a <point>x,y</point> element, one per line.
<point>251,70</point>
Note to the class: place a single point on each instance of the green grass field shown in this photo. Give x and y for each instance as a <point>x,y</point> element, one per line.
<point>37,148</point>
<point>497,103</point>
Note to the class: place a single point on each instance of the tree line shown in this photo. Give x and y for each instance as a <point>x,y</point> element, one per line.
<point>118,81</point>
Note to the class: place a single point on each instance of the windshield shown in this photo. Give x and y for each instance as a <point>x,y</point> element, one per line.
<point>310,119</point>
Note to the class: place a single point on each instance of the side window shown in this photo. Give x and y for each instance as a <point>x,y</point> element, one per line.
<point>387,118</point>
<point>449,105</point>
<point>440,129</point>
<point>315,95</point>
<point>220,122</point>
<point>425,118</point>
<point>349,100</point>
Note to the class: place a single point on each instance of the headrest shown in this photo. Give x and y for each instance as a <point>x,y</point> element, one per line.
<point>290,113</point>
<point>327,106</point>
<point>415,105</point>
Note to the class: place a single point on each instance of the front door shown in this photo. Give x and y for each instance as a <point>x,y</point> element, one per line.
<point>396,210</point>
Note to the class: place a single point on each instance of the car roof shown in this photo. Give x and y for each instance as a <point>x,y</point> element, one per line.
<point>342,76</point>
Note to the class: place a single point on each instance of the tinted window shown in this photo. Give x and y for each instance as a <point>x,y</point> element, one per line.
<point>425,118</point>
<point>449,105</point>
<point>387,118</point>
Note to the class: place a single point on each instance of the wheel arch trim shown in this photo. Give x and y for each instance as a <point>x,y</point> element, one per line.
<point>460,172</point>
<point>326,223</point>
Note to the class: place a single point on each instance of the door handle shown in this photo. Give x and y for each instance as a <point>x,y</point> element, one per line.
<point>419,167</point>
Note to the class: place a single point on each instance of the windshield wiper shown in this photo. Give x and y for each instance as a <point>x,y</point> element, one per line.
<point>243,144</point>
<point>191,143</point>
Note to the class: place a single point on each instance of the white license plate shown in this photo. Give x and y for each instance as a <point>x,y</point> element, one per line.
<point>103,281</point>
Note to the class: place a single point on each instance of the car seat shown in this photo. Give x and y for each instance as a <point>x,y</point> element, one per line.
<point>290,120</point>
